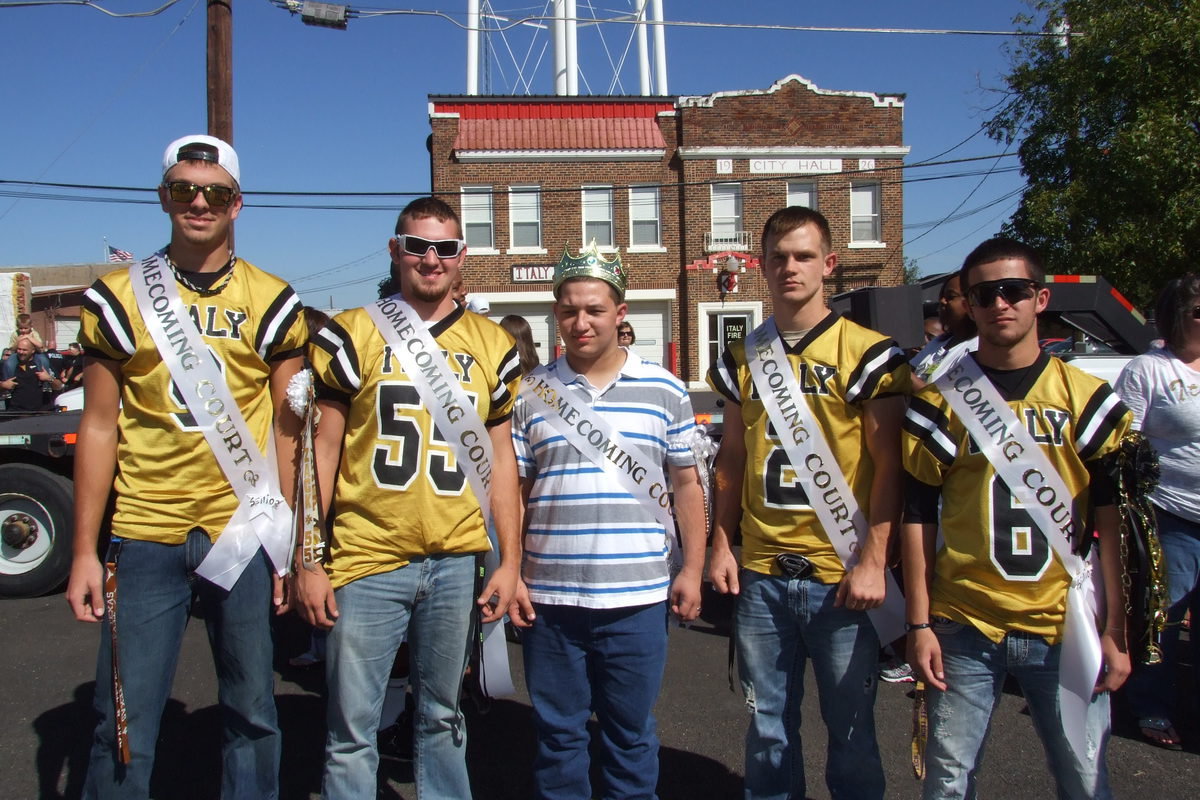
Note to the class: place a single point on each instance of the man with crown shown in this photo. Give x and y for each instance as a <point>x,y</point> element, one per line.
<point>602,440</point>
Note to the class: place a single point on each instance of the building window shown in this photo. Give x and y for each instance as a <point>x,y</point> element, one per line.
<point>726,209</point>
<point>525,217</point>
<point>726,232</point>
<point>864,213</point>
<point>644,230</point>
<point>477,217</point>
<point>598,216</point>
<point>802,193</point>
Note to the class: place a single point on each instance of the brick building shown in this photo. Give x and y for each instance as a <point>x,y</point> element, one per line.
<point>681,186</point>
<point>56,296</point>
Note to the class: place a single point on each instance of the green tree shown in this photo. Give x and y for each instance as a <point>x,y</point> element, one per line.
<point>1108,121</point>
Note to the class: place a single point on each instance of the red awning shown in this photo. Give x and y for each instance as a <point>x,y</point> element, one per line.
<point>605,133</point>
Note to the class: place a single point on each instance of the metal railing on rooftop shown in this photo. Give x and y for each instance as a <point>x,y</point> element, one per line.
<point>729,240</point>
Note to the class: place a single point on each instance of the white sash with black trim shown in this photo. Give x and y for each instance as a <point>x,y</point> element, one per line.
<point>933,358</point>
<point>604,446</point>
<point>816,466</point>
<point>1037,485</point>
<point>455,415</point>
<point>262,517</point>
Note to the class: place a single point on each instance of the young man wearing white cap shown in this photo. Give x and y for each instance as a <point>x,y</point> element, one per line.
<point>602,438</point>
<point>187,359</point>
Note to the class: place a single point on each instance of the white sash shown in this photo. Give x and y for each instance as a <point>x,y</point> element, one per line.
<point>447,402</point>
<point>935,356</point>
<point>1037,485</point>
<point>816,467</point>
<point>252,476</point>
<point>600,443</point>
<point>442,395</point>
<point>495,677</point>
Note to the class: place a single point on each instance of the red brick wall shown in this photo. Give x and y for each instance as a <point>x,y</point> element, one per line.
<point>793,116</point>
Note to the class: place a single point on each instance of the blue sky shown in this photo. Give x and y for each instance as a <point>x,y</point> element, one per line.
<point>94,100</point>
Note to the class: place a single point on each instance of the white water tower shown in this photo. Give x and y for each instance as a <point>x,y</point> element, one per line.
<point>518,45</point>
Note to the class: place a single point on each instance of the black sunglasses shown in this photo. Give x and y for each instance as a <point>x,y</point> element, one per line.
<point>215,194</point>
<point>1013,290</point>
<point>1195,312</point>
<point>416,246</point>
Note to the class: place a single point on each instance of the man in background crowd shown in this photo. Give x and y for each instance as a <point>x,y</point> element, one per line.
<point>31,382</point>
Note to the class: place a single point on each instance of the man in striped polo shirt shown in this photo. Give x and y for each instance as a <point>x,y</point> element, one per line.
<point>601,437</point>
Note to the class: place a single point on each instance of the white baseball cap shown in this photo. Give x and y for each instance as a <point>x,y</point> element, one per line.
<point>200,147</point>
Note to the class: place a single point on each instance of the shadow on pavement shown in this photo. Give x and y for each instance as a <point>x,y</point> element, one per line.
<point>187,764</point>
<point>64,739</point>
<point>500,752</point>
<point>500,749</point>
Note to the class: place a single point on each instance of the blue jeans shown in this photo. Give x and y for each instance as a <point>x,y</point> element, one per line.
<point>959,718</point>
<point>1151,689</point>
<point>607,661</point>
<point>156,586</point>
<point>431,602</point>
<point>780,624</point>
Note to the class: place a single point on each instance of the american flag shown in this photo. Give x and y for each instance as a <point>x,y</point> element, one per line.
<point>115,255</point>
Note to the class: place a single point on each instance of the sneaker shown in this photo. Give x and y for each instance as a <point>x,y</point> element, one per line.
<point>396,742</point>
<point>306,659</point>
<point>896,671</point>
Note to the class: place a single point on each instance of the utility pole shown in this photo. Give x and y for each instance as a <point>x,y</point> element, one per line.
<point>220,74</point>
<point>220,69</point>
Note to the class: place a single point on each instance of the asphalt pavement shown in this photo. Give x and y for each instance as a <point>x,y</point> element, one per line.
<point>47,661</point>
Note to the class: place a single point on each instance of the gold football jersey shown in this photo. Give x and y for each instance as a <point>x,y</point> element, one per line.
<point>400,492</point>
<point>996,570</point>
<point>840,365</point>
<point>168,480</point>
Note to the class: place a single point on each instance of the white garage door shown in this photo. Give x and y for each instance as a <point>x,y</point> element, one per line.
<point>540,320</point>
<point>649,321</point>
<point>66,330</point>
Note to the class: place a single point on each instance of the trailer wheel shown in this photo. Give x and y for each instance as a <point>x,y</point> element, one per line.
<point>36,528</point>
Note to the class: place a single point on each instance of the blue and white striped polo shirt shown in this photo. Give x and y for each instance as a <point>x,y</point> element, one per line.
<point>588,542</point>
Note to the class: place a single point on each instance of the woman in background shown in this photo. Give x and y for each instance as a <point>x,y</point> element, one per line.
<point>1162,388</point>
<point>520,330</point>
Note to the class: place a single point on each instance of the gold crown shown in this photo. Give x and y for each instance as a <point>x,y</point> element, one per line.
<point>590,264</point>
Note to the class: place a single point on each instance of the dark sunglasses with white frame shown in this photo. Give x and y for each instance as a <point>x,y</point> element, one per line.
<point>417,246</point>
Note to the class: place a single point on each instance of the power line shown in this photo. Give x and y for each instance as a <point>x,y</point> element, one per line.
<point>396,206</point>
<point>547,190</point>
<point>121,90</point>
<point>368,279</point>
<point>963,215</point>
<point>632,19</point>
<point>991,171</point>
<point>323,272</point>
<point>89,4</point>
<point>969,234</point>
